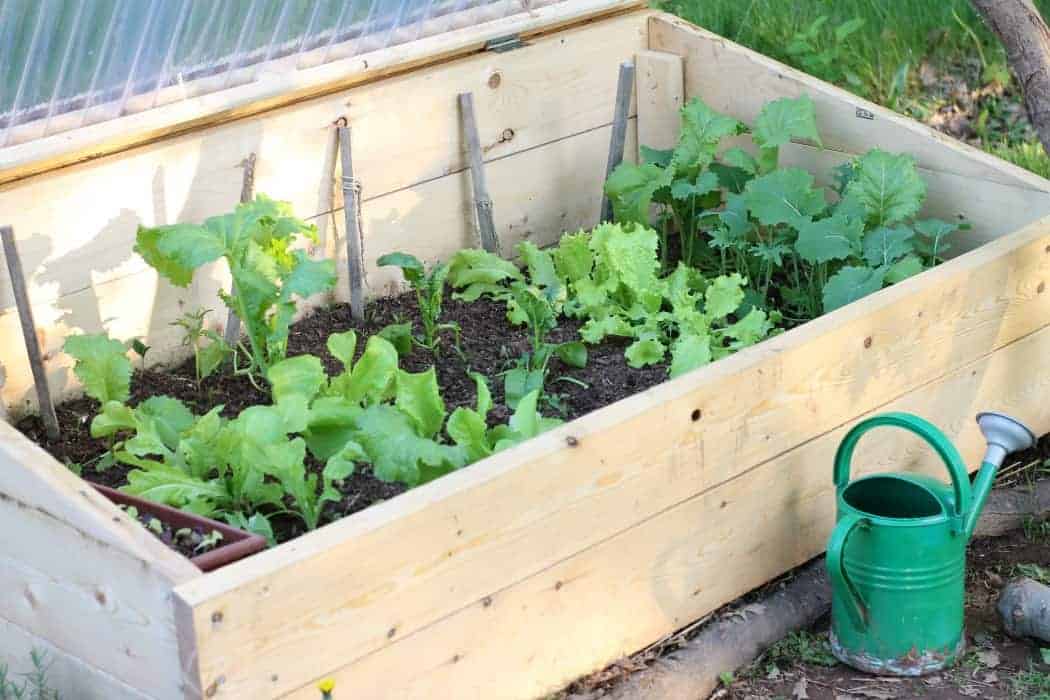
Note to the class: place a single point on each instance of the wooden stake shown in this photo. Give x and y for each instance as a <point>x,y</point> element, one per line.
<point>232,333</point>
<point>352,213</point>
<point>25,316</point>
<point>619,130</point>
<point>482,202</point>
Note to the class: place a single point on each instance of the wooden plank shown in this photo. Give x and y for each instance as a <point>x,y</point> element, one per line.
<point>67,674</point>
<point>618,137</point>
<point>535,636</point>
<point>30,477</point>
<point>716,69</point>
<point>660,90</point>
<point>89,599</point>
<point>482,201</point>
<point>331,596</point>
<point>544,191</point>
<point>286,88</point>
<point>32,343</point>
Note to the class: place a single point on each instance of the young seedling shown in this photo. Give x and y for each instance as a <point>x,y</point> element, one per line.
<point>207,357</point>
<point>535,308</point>
<point>430,291</point>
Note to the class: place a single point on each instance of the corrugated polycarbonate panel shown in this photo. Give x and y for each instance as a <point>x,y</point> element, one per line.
<point>66,63</point>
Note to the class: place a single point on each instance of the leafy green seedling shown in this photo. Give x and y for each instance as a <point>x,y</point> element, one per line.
<point>209,541</point>
<point>206,356</point>
<point>430,292</point>
<point>257,241</point>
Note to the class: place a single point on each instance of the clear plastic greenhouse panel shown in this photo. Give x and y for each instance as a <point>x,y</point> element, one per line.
<point>68,63</point>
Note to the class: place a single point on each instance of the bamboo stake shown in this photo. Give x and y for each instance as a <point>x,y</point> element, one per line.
<point>619,130</point>
<point>25,316</point>
<point>232,333</point>
<point>482,202</point>
<point>352,213</point>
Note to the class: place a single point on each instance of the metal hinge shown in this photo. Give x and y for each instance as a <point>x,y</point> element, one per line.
<point>504,43</point>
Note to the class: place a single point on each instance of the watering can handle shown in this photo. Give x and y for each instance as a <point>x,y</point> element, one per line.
<point>840,582</point>
<point>924,429</point>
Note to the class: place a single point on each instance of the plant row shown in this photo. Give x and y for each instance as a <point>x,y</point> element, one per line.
<point>715,246</point>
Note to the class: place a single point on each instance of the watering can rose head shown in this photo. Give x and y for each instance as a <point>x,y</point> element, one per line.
<point>897,555</point>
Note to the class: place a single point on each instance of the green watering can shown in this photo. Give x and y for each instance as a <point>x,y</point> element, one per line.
<point>897,556</point>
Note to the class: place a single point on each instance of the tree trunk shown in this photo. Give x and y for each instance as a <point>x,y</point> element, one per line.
<point>1026,37</point>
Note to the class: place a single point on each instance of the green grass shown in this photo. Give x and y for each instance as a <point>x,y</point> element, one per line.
<point>802,647</point>
<point>879,59</point>
<point>1032,684</point>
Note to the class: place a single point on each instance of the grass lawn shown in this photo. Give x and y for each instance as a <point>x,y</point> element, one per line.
<point>933,60</point>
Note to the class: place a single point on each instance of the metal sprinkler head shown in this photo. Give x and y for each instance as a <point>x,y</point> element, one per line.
<point>1003,435</point>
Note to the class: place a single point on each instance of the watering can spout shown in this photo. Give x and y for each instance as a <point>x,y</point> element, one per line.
<point>1003,435</point>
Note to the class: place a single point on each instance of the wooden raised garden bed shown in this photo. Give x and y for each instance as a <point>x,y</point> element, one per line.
<point>513,576</point>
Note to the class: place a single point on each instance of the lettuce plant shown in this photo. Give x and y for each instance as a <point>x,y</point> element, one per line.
<point>256,240</point>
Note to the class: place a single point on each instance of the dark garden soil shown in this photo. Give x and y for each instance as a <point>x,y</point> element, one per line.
<point>801,665</point>
<point>489,343</point>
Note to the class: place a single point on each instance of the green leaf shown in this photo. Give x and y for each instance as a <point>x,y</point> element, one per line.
<point>342,464</point>
<point>932,233</point>
<point>519,382</point>
<point>785,119</point>
<point>784,196</point>
<point>526,420</point>
<point>397,452</point>
<point>573,354</point>
<point>211,356</point>
<point>596,329</point>
<point>410,265</point>
<point>331,424</point>
<point>171,417</point>
<point>888,186</point>
<point>885,245</point>
<point>648,351</point>
<point>701,132</point>
<point>257,524</point>
<point>684,189</point>
<point>732,179</point>
<point>188,246</point>
<point>631,189</point>
<point>724,295</point>
<point>419,397</point>
<point>174,268</point>
<point>343,346</point>
<point>541,267</point>
<point>657,156</point>
<point>753,327</point>
<point>572,258</point>
<point>114,417</point>
<point>468,430</point>
<point>308,277</point>
<point>734,217</point>
<point>473,266</point>
<point>102,366</point>
<point>833,238</point>
<point>400,336</point>
<point>851,283</point>
<point>903,269</point>
<point>297,376</point>
<point>172,486</point>
<point>688,352</point>
<point>373,376</point>
<point>739,158</point>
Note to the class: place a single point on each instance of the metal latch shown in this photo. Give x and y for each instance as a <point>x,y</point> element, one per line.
<point>504,43</point>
